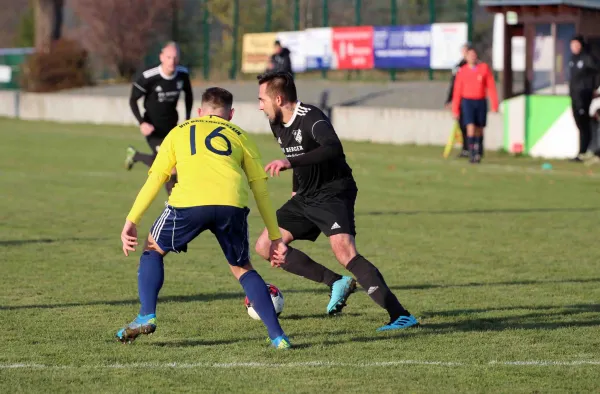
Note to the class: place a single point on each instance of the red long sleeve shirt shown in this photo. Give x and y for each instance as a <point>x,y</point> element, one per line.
<point>474,82</point>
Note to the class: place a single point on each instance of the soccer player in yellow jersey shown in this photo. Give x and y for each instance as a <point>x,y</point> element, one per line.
<point>213,158</point>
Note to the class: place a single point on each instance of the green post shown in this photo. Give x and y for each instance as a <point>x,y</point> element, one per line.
<point>325,24</point>
<point>268,15</point>
<point>357,22</point>
<point>234,54</point>
<point>393,12</point>
<point>206,39</point>
<point>431,21</point>
<point>470,20</point>
<point>296,15</point>
<point>175,22</point>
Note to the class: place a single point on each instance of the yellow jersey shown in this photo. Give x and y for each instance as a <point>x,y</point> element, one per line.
<point>215,161</point>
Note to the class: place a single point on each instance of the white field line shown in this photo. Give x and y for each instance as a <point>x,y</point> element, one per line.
<point>305,364</point>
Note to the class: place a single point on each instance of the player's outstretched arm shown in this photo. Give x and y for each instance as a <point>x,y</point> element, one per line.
<point>257,178</point>
<point>265,207</point>
<point>329,148</point>
<point>129,237</point>
<point>189,97</point>
<point>159,173</point>
<point>146,195</point>
<point>138,90</point>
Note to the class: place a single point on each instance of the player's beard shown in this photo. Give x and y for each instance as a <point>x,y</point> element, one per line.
<point>277,117</point>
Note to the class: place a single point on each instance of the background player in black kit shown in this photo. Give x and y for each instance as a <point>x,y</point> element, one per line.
<point>324,193</point>
<point>584,71</point>
<point>160,86</point>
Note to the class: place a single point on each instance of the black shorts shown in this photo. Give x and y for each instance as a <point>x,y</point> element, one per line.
<point>157,137</point>
<point>306,218</point>
<point>154,143</point>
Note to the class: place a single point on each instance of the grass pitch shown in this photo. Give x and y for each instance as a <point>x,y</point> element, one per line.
<point>500,263</point>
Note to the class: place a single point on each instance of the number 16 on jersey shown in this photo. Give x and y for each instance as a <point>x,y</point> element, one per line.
<point>208,141</point>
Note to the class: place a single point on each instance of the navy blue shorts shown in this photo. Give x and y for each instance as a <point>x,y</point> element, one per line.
<point>175,228</point>
<point>473,112</point>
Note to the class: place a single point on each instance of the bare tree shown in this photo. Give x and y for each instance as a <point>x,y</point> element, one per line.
<point>48,23</point>
<point>121,32</point>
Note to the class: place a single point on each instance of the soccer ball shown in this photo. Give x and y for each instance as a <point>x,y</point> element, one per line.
<point>276,297</point>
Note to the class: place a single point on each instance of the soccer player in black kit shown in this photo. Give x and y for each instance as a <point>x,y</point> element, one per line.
<point>324,193</point>
<point>160,86</point>
<point>584,71</point>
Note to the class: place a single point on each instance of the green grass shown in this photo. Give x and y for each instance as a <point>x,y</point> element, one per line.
<point>499,262</point>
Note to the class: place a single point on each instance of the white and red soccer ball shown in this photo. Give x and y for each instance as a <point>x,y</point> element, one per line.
<point>276,297</point>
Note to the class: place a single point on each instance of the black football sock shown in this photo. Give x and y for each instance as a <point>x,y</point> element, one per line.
<point>144,158</point>
<point>300,264</point>
<point>471,143</point>
<point>481,145</point>
<point>370,279</point>
<point>476,146</point>
<point>170,184</point>
<point>465,146</point>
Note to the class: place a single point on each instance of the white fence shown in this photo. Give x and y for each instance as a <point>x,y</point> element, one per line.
<point>383,125</point>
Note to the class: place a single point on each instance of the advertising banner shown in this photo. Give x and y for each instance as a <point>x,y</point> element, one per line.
<point>295,42</point>
<point>256,50</point>
<point>352,48</point>
<point>318,49</point>
<point>447,40</point>
<point>402,46</point>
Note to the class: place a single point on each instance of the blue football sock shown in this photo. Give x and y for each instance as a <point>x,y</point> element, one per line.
<point>256,291</point>
<point>151,275</point>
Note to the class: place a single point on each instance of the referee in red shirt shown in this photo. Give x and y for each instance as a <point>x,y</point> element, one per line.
<point>474,82</point>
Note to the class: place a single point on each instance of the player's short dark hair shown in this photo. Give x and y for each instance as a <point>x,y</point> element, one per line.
<point>277,42</point>
<point>279,83</point>
<point>218,98</point>
<point>579,38</point>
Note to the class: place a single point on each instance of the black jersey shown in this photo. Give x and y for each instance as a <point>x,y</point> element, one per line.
<point>584,70</point>
<point>313,148</point>
<point>161,94</point>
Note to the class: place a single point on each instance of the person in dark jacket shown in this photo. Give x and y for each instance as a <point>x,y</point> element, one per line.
<point>584,70</point>
<point>280,60</point>
<point>463,128</point>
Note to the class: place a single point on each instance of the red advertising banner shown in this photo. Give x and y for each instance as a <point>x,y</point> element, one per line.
<point>352,47</point>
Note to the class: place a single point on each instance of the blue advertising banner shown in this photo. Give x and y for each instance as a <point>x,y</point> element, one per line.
<point>402,46</point>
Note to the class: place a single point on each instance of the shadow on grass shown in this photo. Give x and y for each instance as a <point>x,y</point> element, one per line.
<point>426,286</point>
<point>189,298</point>
<point>566,310</point>
<point>194,343</point>
<point>208,297</point>
<point>316,316</point>
<point>478,211</point>
<point>22,242</point>
<point>201,342</point>
<point>563,316</point>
